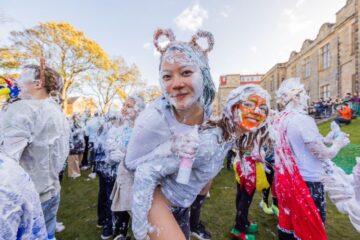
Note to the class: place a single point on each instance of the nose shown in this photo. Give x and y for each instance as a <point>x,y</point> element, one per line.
<point>257,110</point>
<point>178,82</point>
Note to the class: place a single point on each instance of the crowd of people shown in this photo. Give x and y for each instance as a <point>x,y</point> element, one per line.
<point>155,163</point>
<point>326,108</point>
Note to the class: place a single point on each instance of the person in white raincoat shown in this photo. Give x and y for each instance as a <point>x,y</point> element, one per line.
<point>117,143</point>
<point>35,133</point>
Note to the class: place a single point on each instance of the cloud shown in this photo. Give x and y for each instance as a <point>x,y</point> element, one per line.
<point>191,18</point>
<point>292,21</point>
<point>287,12</point>
<point>147,45</point>
<point>224,14</point>
<point>253,49</point>
<point>299,3</point>
<point>156,53</point>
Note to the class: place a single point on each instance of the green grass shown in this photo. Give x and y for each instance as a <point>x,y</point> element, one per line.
<point>79,203</point>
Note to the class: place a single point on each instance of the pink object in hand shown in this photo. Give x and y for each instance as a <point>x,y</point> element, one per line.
<point>183,176</point>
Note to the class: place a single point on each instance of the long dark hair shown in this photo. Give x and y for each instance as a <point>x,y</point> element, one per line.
<point>245,143</point>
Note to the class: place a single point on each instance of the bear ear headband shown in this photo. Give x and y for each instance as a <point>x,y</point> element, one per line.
<point>168,33</point>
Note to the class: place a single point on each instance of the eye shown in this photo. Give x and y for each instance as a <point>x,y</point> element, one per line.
<point>166,77</point>
<point>263,109</point>
<point>186,73</point>
<point>248,104</point>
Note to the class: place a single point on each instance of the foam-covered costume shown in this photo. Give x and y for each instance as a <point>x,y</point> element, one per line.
<point>162,164</point>
<point>35,133</point>
<point>249,168</point>
<point>157,124</point>
<point>343,190</point>
<point>21,214</point>
<point>299,155</point>
<point>117,142</point>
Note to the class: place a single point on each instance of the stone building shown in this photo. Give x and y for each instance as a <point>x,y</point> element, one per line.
<point>230,82</point>
<point>328,66</point>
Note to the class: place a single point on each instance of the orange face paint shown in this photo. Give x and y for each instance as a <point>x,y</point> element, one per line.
<point>252,112</point>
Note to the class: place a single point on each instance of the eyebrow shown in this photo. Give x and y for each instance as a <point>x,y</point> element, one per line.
<point>253,99</point>
<point>186,65</point>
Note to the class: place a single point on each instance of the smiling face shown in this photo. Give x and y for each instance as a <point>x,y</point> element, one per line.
<point>181,80</point>
<point>251,113</point>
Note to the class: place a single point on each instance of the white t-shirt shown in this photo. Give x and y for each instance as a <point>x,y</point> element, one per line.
<point>302,129</point>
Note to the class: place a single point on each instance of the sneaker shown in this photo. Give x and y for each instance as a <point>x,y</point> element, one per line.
<point>252,228</point>
<point>76,175</point>
<point>200,232</point>
<point>84,168</point>
<point>241,236</point>
<point>99,225</point>
<point>265,207</point>
<point>208,194</point>
<point>106,233</point>
<point>59,227</point>
<point>275,210</point>
<point>120,237</point>
<point>92,175</point>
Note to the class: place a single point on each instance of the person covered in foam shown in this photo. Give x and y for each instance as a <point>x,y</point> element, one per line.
<point>35,133</point>
<point>343,189</point>
<point>188,93</point>
<point>117,142</point>
<point>300,152</point>
<point>209,143</point>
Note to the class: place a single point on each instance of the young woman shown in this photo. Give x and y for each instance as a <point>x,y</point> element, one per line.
<point>188,92</point>
<point>117,141</point>
<point>206,148</point>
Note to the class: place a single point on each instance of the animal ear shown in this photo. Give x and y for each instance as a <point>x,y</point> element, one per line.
<point>167,33</point>
<point>203,34</point>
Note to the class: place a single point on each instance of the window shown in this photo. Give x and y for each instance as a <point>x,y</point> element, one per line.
<point>293,71</point>
<point>272,83</point>
<point>352,38</point>
<point>325,91</point>
<point>307,67</point>
<point>325,56</point>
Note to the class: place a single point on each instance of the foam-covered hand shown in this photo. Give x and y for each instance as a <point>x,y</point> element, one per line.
<point>185,145</point>
<point>116,156</point>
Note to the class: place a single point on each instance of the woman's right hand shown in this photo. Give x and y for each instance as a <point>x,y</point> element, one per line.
<point>186,145</point>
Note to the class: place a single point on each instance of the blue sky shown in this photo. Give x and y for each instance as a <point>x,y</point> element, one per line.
<point>250,35</point>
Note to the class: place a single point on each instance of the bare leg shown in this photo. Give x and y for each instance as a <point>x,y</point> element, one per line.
<point>161,217</point>
<point>206,189</point>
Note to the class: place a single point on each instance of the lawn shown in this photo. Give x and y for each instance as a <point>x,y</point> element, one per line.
<point>79,203</point>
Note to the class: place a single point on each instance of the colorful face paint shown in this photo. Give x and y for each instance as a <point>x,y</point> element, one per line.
<point>247,107</point>
<point>252,112</point>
